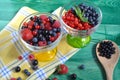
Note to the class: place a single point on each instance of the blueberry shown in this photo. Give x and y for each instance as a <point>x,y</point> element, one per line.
<point>34,62</point>
<point>17,69</point>
<point>73,76</point>
<point>49,42</point>
<point>50,32</point>
<point>81,66</point>
<point>36,44</point>
<point>51,19</point>
<point>55,29</point>
<point>39,31</point>
<point>19,78</point>
<point>25,71</point>
<point>47,79</point>
<point>73,11</point>
<point>58,29</point>
<point>47,37</point>
<point>28,73</point>
<point>31,18</point>
<point>34,67</point>
<point>53,34</point>
<point>35,40</point>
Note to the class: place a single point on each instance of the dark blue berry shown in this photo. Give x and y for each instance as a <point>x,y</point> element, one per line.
<point>49,42</point>
<point>47,37</point>
<point>19,78</point>
<point>53,34</point>
<point>51,19</point>
<point>17,69</point>
<point>81,66</point>
<point>47,79</point>
<point>31,18</point>
<point>34,62</point>
<point>73,76</point>
<point>35,40</point>
<point>34,67</point>
<point>58,29</point>
<point>55,29</point>
<point>28,73</point>
<point>25,71</point>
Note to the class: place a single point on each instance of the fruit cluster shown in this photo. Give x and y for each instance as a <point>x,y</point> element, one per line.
<point>81,17</point>
<point>40,30</point>
<point>106,49</point>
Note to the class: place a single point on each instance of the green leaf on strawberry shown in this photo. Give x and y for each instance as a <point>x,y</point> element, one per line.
<point>80,14</point>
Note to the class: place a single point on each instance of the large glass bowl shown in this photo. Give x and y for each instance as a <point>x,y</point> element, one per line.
<point>43,53</point>
<point>79,38</point>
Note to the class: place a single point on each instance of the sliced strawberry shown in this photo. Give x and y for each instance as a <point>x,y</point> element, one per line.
<point>26,34</point>
<point>62,69</point>
<point>56,24</point>
<point>43,17</point>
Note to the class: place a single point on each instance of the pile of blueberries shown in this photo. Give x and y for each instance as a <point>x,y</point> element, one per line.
<point>90,13</point>
<point>106,49</point>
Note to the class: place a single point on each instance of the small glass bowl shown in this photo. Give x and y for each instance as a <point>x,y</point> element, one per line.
<point>75,32</point>
<point>79,38</point>
<point>40,48</point>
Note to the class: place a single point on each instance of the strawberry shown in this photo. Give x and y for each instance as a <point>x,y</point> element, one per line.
<point>43,17</point>
<point>26,34</point>
<point>55,78</point>
<point>62,69</point>
<point>56,24</point>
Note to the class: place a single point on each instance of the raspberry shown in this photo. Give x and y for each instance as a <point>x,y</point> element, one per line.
<point>42,43</point>
<point>56,24</point>
<point>43,17</point>
<point>31,57</point>
<point>20,57</point>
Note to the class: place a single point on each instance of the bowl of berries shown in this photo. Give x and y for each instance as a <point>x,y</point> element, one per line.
<point>80,19</point>
<point>41,33</point>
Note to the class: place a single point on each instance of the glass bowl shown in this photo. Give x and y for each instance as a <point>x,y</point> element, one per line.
<point>41,51</point>
<point>79,37</point>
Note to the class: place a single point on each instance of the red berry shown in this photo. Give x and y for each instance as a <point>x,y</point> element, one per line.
<point>42,43</point>
<point>25,24</point>
<point>37,27</point>
<point>34,32</point>
<point>55,78</point>
<point>48,26</point>
<point>29,26</point>
<point>31,57</point>
<point>30,23</point>
<point>52,38</point>
<point>62,69</point>
<point>26,34</point>
<point>20,57</point>
<point>43,17</point>
<point>56,24</point>
<point>13,79</point>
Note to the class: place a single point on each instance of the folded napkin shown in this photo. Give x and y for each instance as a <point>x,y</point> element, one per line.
<point>11,48</point>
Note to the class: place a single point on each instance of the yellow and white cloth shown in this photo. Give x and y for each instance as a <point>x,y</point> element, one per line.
<point>11,48</point>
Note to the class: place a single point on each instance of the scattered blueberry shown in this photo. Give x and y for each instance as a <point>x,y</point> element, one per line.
<point>19,78</point>
<point>17,69</point>
<point>73,76</point>
<point>81,66</point>
<point>34,67</point>
<point>28,73</point>
<point>25,71</point>
<point>34,62</point>
<point>47,79</point>
<point>49,42</point>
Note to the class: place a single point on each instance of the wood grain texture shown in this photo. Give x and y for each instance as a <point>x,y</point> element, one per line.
<point>111,20</point>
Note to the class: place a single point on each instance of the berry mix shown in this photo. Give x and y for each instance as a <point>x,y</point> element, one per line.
<point>40,30</point>
<point>106,49</point>
<point>81,17</point>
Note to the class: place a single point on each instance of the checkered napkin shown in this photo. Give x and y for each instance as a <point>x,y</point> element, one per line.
<point>11,48</point>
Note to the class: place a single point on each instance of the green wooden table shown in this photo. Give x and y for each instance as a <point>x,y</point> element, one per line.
<point>109,29</point>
